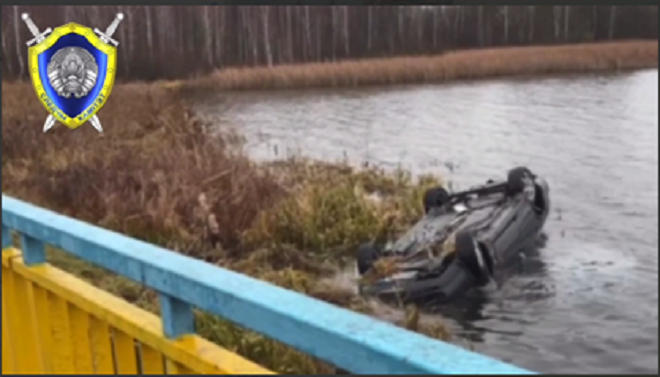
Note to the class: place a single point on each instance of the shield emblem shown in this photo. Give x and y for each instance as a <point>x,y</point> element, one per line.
<point>72,71</point>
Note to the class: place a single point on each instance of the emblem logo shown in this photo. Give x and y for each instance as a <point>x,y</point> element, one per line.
<point>73,70</point>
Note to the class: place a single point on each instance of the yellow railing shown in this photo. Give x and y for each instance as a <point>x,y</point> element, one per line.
<point>54,323</point>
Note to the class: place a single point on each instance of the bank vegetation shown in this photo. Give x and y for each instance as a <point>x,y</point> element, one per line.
<point>156,175</point>
<point>475,64</point>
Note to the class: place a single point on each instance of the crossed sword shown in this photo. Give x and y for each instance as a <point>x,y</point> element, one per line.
<point>39,37</point>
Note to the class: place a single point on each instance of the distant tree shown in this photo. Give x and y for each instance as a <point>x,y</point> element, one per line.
<point>179,41</point>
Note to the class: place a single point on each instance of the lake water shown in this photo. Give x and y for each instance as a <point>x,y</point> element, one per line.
<point>588,302</point>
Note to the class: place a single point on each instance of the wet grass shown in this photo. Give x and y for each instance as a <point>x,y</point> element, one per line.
<point>458,65</point>
<point>157,175</point>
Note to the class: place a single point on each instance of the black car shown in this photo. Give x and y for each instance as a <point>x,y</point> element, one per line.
<point>464,240</point>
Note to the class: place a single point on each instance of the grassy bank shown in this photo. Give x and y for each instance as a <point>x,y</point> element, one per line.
<point>156,175</point>
<point>459,65</point>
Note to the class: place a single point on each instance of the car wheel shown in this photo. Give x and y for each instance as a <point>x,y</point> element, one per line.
<point>435,197</point>
<point>367,255</point>
<point>518,179</point>
<point>456,280</point>
<point>468,252</point>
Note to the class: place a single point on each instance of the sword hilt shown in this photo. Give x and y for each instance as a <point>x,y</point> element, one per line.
<point>105,38</point>
<point>30,24</point>
<point>114,25</point>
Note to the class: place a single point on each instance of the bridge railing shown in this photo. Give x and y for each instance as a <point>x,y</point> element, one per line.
<point>52,322</point>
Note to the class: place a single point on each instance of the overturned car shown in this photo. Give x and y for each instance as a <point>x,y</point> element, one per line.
<point>464,240</point>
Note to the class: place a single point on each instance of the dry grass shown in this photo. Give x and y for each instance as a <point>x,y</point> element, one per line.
<point>156,174</point>
<point>468,64</point>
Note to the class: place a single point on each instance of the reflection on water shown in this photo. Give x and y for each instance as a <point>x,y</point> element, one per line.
<point>588,302</point>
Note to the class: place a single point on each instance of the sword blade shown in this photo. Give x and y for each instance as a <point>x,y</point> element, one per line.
<point>96,123</point>
<point>49,123</point>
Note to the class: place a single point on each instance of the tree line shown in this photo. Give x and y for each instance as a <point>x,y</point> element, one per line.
<point>161,42</point>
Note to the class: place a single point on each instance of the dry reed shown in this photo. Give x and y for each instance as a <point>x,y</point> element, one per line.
<point>458,65</point>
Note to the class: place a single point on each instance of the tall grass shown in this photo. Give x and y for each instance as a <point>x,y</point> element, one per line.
<point>156,174</point>
<point>459,65</point>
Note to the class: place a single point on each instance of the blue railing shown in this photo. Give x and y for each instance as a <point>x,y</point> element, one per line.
<point>346,339</point>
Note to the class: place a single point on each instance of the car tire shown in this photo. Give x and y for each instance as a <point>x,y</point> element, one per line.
<point>517,180</point>
<point>435,197</point>
<point>367,255</point>
<point>455,281</point>
<point>469,254</point>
